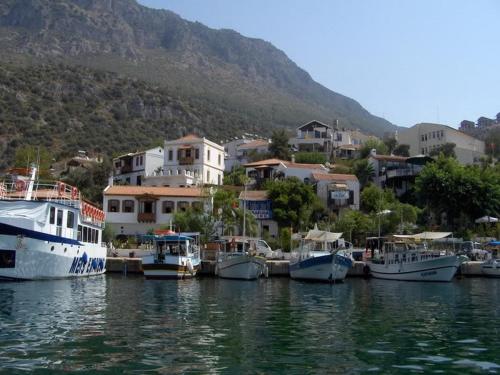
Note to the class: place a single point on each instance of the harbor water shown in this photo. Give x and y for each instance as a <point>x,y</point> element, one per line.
<point>116,324</point>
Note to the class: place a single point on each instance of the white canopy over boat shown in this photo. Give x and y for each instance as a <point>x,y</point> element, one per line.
<point>322,236</point>
<point>424,236</point>
<point>487,219</point>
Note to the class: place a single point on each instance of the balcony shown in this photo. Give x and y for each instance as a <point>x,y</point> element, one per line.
<point>186,160</point>
<point>146,217</point>
<point>126,169</point>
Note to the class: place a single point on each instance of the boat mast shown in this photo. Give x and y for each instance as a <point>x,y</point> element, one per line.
<point>31,184</point>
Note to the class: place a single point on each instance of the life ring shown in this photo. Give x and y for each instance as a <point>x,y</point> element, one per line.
<point>61,187</point>
<point>20,185</point>
<point>74,192</point>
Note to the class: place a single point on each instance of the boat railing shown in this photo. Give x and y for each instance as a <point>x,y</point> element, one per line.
<point>58,192</point>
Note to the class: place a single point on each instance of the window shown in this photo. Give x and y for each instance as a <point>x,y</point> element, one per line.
<point>423,138</point>
<point>197,153</point>
<point>197,206</point>
<point>182,206</point>
<point>137,161</point>
<point>442,133</point>
<point>52,215</point>
<point>79,235</point>
<point>218,180</point>
<point>351,197</point>
<point>188,153</point>
<point>70,220</point>
<point>113,205</point>
<point>59,218</point>
<point>423,151</point>
<point>128,205</point>
<point>170,155</point>
<point>433,134</point>
<point>208,155</point>
<point>218,159</point>
<point>167,207</point>
<point>138,180</point>
<point>142,159</point>
<point>208,177</point>
<point>85,234</point>
<point>148,207</point>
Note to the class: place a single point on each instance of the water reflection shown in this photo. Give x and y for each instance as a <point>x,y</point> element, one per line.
<point>132,325</point>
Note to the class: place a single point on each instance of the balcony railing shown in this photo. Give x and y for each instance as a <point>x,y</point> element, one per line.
<point>186,160</point>
<point>146,217</point>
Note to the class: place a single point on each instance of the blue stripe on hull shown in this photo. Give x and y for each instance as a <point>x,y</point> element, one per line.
<point>11,230</point>
<point>311,262</point>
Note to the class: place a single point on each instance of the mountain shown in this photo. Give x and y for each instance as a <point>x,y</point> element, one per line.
<point>212,74</point>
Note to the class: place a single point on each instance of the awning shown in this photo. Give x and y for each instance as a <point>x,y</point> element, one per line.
<point>322,236</point>
<point>425,236</point>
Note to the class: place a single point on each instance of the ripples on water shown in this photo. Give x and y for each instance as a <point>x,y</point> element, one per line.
<point>129,325</point>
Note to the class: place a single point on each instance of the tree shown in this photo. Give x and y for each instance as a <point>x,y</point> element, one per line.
<point>364,171</point>
<point>374,199</point>
<point>447,149</point>
<point>391,144</point>
<point>402,150</point>
<point>236,177</point>
<point>293,202</point>
<point>195,221</point>
<point>355,225</point>
<point>27,155</point>
<point>310,157</point>
<point>279,145</point>
<point>371,144</point>
<point>462,192</point>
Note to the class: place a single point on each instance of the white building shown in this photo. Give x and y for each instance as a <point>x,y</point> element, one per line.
<point>313,136</point>
<point>132,210</point>
<point>238,151</point>
<point>192,155</point>
<point>273,168</point>
<point>425,137</point>
<point>337,191</point>
<point>132,168</point>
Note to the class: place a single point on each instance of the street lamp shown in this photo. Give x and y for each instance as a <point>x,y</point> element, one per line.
<point>379,214</point>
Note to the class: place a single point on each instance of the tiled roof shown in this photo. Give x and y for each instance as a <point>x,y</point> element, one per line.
<point>160,191</point>
<point>334,177</point>
<point>254,195</point>
<point>254,144</point>
<point>389,157</point>
<point>189,137</point>
<point>286,163</point>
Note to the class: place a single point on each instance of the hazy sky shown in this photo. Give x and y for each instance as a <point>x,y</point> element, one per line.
<point>409,61</point>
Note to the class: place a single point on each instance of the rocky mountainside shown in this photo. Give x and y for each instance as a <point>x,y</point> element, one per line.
<point>248,80</point>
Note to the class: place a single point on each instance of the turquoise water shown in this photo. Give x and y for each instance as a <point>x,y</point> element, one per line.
<point>119,324</point>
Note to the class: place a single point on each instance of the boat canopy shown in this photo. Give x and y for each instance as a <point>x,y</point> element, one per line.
<point>166,238</point>
<point>424,236</point>
<point>322,236</point>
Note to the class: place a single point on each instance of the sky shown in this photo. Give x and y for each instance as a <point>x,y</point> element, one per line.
<point>408,61</point>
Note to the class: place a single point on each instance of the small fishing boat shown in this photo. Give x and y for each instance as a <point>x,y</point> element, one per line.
<point>491,267</point>
<point>173,256</point>
<point>239,260</point>
<point>47,230</point>
<point>321,257</point>
<point>412,258</point>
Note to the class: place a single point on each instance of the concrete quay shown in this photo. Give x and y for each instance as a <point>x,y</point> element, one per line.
<point>276,268</point>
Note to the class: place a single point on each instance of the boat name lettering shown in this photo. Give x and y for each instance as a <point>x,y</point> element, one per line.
<point>83,264</point>
<point>428,273</point>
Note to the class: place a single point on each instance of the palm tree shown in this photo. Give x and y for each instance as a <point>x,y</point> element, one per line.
<point>364,172</point>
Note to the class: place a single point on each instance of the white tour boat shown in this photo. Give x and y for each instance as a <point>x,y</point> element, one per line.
<point>174,256</point>
<point>491,267</point>
<point>47,231</point>
<point>408,258</point>
<point>320,258</point>
<point>240,261</point>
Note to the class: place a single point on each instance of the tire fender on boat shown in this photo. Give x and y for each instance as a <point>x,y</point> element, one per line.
<point>366,270</point>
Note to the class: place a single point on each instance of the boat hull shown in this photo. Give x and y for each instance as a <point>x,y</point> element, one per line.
<point>491,269</point>
<point>23,258</point>
<point>330,267</point>
<point>244,267</point>
<point>436,269</point>
<point>170,268</point>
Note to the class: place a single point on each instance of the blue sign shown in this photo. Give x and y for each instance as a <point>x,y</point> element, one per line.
<point>260,209</point>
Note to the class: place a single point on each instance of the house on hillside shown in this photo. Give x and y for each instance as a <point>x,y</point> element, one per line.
<point>240,151</point>
<point>338,192</point>
<point>350,151</point>
<point>132,168</point>
<point>260,205</point>
<point>313,136</point>
<point>270,169</point>
<point>396,172</point>
<point>132,210</point>
<point>197,159</point>
<point>425,137</point>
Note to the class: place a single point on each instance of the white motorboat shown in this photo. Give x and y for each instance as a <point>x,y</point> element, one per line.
<point>320,258</point>
<point>174,256</point>
<point>239,261</point>
<point>48,231</point>
<point>404,259</point>
<point>491,268</point>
